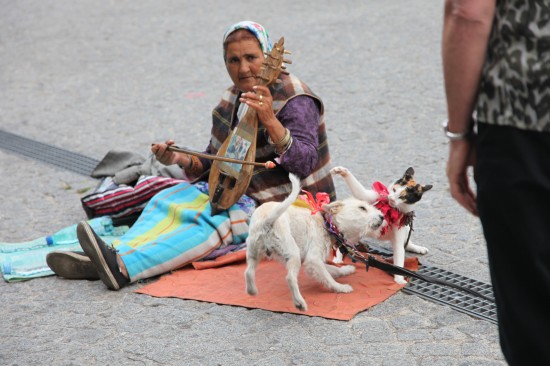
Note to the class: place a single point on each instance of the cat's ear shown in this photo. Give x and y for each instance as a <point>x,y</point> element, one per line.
<point>408,174</point>
<point>427,187</point>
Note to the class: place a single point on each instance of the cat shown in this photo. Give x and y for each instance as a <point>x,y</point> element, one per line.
<point>397,205</point>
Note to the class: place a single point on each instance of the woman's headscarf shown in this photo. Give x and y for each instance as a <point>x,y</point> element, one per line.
<point>257,29</point>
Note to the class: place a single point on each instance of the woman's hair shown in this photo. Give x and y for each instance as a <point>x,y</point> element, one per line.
<point>236,36</point>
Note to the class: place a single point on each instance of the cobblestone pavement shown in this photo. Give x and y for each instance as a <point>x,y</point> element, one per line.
<point>92,76</point>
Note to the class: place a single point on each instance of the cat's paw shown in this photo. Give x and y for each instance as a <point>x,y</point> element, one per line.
<point>413,248</point>
<point>400,280</point>
<point>340,170</point>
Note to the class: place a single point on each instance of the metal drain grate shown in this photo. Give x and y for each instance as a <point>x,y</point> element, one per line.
<point>458,300</point>
<point>461,301</point>
<point>464,302</point>
<point>65,159</point>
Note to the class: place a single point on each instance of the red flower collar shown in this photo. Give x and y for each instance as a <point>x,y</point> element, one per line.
<point>392,215</point>
<point>315,203</point>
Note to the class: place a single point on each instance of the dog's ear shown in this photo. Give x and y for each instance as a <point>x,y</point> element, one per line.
<point>427,187</point>
<point>333,207</point>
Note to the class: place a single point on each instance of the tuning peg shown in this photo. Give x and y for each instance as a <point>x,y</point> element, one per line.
<point>285,72</point>
<point>287,61</point>
<point>287,52</point>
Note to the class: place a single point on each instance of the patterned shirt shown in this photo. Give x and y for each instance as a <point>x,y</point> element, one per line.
<point>515,84</point>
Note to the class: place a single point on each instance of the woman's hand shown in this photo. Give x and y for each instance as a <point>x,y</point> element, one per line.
<point>262,102</point>
<point>166,156</point>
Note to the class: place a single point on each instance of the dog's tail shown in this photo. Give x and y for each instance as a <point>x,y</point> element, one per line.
<point>283,206</point>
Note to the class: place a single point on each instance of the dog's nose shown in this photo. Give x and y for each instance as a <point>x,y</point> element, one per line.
<point>379,222</point>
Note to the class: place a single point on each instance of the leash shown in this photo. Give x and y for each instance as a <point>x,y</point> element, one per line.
<point>370,261</point>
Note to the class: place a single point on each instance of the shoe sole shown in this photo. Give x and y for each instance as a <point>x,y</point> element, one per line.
<point>72,266</point>
<point>90,246</point>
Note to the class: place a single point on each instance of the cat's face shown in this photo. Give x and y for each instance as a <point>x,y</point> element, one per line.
<point>405,192</point>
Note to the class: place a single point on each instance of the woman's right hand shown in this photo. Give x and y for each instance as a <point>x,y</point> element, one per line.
<point>166,156</point>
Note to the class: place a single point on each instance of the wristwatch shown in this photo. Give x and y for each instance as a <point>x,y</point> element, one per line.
<point>456,136</point>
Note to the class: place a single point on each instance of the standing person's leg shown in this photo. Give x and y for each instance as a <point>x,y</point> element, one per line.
<point>513,177</point>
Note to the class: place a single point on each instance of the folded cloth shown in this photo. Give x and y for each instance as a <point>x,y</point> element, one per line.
<point>121,200</point>
<point>222,281</point>
<point>126,167</point>
<point>116,161</point>
<point>27,260</point>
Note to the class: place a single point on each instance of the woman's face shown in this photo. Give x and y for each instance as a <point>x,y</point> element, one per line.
<point>244,60</point>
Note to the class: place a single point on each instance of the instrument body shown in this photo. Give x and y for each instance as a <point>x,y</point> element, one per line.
<point>228,181</point>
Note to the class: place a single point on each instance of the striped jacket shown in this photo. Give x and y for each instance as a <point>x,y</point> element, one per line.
<point>273,184</point>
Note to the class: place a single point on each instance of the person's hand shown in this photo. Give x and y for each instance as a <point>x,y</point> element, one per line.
<point>461,156</point>
<point>262,102</point>
<point>165,156</point>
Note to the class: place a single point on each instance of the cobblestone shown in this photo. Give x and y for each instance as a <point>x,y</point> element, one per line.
<point>93,76</point>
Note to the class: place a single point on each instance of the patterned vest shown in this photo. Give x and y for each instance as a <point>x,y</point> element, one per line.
<point>515,84</point>
<point>273,184</point>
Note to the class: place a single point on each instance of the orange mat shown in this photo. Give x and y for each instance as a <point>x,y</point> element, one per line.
<point>222,282</point>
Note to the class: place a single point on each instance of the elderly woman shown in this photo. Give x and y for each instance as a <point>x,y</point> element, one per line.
<point>291,131</point>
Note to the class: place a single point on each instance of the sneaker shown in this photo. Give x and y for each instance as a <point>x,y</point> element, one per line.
<point>104,257</point>
<point>72,265</point>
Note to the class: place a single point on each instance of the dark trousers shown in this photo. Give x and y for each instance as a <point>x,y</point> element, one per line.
<point>513,184</point>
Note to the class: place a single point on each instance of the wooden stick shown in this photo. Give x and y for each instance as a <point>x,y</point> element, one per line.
<point>267,164</point>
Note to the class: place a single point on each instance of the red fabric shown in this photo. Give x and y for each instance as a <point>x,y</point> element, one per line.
<point>392,215</point>
<point>226,285</point>
<point>316,204</point>
<point>229,258</point>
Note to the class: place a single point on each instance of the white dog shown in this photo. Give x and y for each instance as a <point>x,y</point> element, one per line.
<point>400,197</point>
<point>293,235</point>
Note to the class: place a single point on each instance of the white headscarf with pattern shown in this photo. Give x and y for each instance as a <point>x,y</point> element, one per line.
<point>256,29</point>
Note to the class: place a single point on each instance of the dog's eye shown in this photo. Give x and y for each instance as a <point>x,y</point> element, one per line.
<point>363,208</point>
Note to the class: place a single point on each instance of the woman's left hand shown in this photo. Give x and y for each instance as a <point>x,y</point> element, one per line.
<point>262,102</point>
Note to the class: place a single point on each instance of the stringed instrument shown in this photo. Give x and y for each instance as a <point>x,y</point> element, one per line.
<point>228,181</point>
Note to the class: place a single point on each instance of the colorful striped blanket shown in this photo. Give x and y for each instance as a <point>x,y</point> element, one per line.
<point>174,229</point>
<point>177,228</point>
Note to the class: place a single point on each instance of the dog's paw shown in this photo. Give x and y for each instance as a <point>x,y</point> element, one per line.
<point>400,280</point>
<point>347,270</point>
<point>301,305</point>
<point>413,248</point>
<point>343,288</point>
<point>251,290</point>
<point>340,170</point>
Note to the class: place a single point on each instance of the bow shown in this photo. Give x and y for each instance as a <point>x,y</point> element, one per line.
<point>315,203</point>
<point>392,215</point>
<point>268,164</point>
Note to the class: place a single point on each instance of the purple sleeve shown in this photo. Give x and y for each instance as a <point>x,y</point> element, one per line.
<point>301,116</point>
